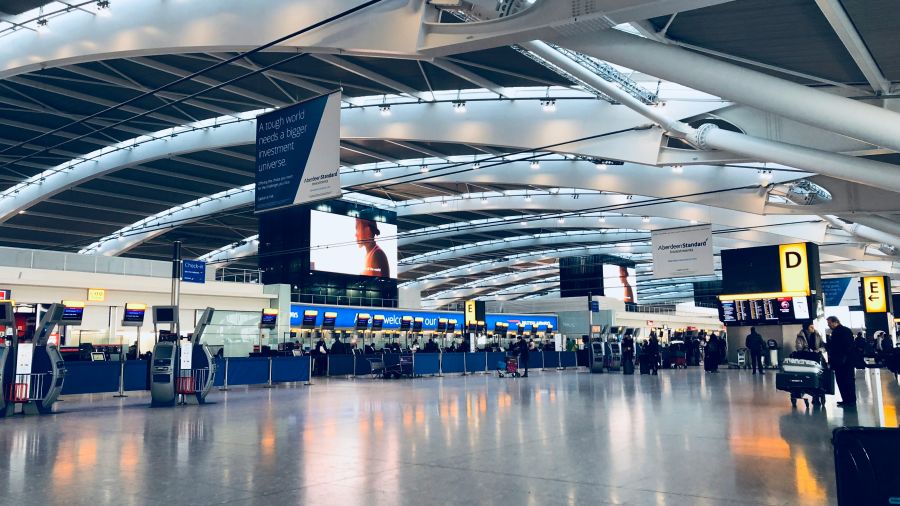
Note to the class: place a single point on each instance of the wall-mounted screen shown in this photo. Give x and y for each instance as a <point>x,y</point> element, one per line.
<point>451,325</point>
<point>134,315</point>
<point>417,324</point>
<point>351,245</point>
<point>362,321</point>
<point>406,323</point>
<point>620,282</point>
<point>268,319</point>
<point>377,322</point>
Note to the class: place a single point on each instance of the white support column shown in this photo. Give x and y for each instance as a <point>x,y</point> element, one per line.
<point>854,119</point>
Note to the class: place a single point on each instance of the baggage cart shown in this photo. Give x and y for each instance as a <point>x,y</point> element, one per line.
<point>509,367</point>
<point>802,377</point>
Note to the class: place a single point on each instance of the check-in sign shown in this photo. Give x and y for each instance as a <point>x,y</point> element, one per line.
<point>875,294</point>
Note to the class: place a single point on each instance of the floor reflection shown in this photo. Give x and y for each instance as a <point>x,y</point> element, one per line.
<point>555,438</point>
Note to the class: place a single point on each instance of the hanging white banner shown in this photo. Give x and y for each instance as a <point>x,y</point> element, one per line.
<point>679,252</point>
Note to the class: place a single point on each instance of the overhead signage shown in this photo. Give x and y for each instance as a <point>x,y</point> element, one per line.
<point>471,316</point>
<point>594,306</point>
<point>96,294</point>
<point>268,319</point>
<point>193,271</point>
<point>765,311</point>
<point>345,318</point>
<point>679,252</point>
<point>794,267</point>
<point>841,292</point>
<point>875,294</point>
<point>298,154</point>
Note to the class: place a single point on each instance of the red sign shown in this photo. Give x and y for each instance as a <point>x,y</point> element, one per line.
<point>5,294</point>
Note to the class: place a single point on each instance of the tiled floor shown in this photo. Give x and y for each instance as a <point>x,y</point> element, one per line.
<point>554,438</point>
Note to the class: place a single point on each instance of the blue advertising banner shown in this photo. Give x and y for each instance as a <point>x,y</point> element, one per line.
<point>193,271</point>
<point>298,153</point>
<point>346,317</point>
<point>841,291</point>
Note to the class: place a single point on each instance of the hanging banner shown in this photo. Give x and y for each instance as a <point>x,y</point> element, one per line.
<point>841,291</point>
<point>681,252</point>
<point>298,153</point>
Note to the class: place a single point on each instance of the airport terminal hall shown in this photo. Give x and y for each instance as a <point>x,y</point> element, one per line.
<point>449,252</point>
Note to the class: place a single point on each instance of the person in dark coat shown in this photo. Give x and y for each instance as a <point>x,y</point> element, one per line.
<point>841,351</point>
<point>337,347</point>
<point>711,361</point>
<point>431,346</point>
<point>522,350</point>
<point>321,357</point>
<point>653,353</point>
<point>756,346</point>
<point>628,349</point>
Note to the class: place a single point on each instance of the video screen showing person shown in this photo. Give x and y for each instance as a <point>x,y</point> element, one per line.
<point>349,245</point>
<point>620,282</point>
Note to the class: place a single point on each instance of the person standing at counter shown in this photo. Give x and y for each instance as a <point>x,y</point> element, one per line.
<point>321,356</point>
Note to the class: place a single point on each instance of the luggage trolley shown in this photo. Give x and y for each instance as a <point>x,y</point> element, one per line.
<point>509,366</point>
<point>805,374</point>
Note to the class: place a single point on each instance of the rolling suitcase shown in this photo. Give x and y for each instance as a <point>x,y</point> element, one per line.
<point>645,364</point>
<point>865,465</point>
<point>628,366</point>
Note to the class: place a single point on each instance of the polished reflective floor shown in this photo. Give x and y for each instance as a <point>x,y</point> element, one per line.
<point>554,438</point>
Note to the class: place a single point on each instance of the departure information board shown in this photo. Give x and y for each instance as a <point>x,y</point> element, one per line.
<point>768,311</point>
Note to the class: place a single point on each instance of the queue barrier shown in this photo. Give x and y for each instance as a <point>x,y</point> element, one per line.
<point>426,364</point>
<point>105,377</point>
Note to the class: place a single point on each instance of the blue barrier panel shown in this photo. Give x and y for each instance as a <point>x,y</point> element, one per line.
<point>136,372</point>
<point>551,359</point>
<point>453,362</point>
<point>426,363</point>
<point>567,359</point>
<point>91,377</point>
<point>535,360</point>
<point>494,359</point>
<point>248,370</point>
<point>363,365</point>
<point>219,380</point>
<point>290,369</point>
<point>340,365</point>
<point>475,361</point>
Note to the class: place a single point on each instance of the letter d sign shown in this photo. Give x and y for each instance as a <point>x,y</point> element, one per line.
<point>794,268</point>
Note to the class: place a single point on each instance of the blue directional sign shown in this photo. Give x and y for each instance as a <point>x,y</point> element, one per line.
<point>193,271</point>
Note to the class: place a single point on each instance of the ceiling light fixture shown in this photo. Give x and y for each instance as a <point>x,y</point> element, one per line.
<point>645,219</point>
<point>548,105</point>
<point>476,165</point>
<point>103,4</point>
<point>677,169</point>
<point>385,110</point>
<point>423,168</point>
<point>535,165</point>
<point>602,219</point>
<point>459,107</point>
<point>378,172</point>
<point>561,220</point>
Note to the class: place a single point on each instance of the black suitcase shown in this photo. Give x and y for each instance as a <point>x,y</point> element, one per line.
<point>865,465</point>
<point>788,381</point>
<point>628,367</point>
<point>645,364</point>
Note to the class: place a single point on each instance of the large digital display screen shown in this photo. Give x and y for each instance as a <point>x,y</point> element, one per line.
<point>768,311</point>
<point>620,282</point>
<point>329,320</point>
<point>349,245</point>
<point>309,318</point>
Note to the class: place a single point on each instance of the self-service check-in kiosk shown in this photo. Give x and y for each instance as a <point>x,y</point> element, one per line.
<point>598,358</point>
<point>613,355</point>
<point>33,372</point>
<point>7,360</point>
<point>181,367</point>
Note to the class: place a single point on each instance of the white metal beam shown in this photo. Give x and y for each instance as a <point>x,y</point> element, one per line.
<point>844,28</point>
<point>472,77</point>
<point>385,81</point>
